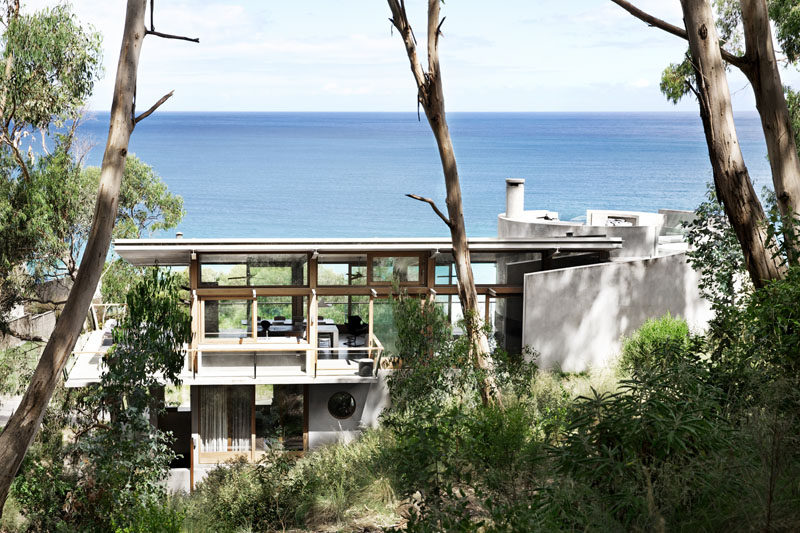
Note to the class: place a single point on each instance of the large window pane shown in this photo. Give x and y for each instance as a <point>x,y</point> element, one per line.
<point>279,417</point>
<point>338,308</point>
<point>384,327</point>
<point>227,319</point>
<point>403,269</point>
<point>337,270</point>
<point>489,268</point>
<point>286,315</point>
<point>238,270</point>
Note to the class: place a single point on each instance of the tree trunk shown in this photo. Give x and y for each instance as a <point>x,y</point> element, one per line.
<point>23,425</point>
<point>762,71</point>
<point>732,181</point>
<point>467,292</point>
<point>431,97</point>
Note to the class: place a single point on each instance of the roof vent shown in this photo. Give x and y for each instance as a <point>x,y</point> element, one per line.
<point>179,235</point>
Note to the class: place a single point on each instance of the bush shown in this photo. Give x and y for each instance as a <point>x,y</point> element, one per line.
<point>335,483</point>
<point>655,344</point>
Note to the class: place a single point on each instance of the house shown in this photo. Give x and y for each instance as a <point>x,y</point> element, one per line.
<point>292,339</point>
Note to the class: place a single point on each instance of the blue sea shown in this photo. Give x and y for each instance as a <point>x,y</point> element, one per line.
<point>266,175</point>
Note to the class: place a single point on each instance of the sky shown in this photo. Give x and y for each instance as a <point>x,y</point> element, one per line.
<point>319,55</point>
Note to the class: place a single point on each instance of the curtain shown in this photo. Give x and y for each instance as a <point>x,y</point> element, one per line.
<point>213,419</point>
<point>240,401</point>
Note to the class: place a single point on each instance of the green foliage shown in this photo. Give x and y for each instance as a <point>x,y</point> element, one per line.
<point>55,62</point>
<point>676,80</point>
<point>37,218</point>
<point>148,344</point>
<point>280,491</point>
<point>729,25</point>
<point>145,204</point>
<point>786,16</point>
<point>715,253</point>
<point>16,367</point>
<point>110,476</point>
<point>619,442</point>
<point>165,517</point>
<point>772,320</point>
<point>793,103</point>
<point>652,345</point>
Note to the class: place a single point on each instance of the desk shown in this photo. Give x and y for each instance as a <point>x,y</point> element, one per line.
<point>287,328</point>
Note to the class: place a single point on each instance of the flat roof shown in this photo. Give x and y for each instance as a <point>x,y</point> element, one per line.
<point>178,252</point>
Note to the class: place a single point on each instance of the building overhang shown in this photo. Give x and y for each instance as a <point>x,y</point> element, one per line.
<point>178,252</point>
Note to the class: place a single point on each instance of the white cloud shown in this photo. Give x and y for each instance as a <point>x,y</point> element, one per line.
<point>318,55</point>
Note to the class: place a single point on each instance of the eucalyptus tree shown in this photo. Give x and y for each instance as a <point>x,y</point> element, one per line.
<point>705,77</point>
<point>431,97</point>
<point>50,65</point>
<point>21,428</point>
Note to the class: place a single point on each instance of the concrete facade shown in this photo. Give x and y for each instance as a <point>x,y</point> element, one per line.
<point>324,428</point>
<point>575,318</point>
<point>638,241</point>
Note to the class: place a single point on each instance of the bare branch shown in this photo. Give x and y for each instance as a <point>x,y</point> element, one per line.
<point>400,21</point>
<point>153,107</point>
<point>433,205</point>
<point>152,9</point>
<point>170,36</point>
<point>737,61</point>
<point>433,36</point>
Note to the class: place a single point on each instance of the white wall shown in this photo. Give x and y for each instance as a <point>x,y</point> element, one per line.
<point>575,318</point>
<point>323,428</point>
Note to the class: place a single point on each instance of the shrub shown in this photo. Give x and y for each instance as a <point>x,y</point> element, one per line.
<point>668,413</point>
<point>655,344</point>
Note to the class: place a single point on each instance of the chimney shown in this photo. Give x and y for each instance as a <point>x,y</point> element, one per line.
<point>179,235</point>
<point>515,197</point>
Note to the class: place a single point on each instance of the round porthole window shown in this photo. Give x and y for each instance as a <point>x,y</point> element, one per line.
<point>342,405</point>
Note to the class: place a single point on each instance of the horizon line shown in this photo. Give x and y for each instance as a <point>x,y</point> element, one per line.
<point>618,111</point>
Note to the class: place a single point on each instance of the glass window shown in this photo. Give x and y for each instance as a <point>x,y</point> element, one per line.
<point>227,319</point>
<point>279,417</point>
<point>339,307</point>
<point>254,270</point>
<point>286,315</point>
<point>403,269</point>
<point>338,269</point>
<point>341,405</point>
<point>488,268</point>
<point>384,327</point>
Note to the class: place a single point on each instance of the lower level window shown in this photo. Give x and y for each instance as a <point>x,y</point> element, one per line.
<point>279,417</point>
<point>226,414</point>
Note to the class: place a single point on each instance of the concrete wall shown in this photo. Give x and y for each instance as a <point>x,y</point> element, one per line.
<point>575,318</point>
<point>40,325</point>
<point>638,241</point>
<point>323,428</point>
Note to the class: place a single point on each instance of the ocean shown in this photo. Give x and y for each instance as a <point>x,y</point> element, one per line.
<point>268,175</point>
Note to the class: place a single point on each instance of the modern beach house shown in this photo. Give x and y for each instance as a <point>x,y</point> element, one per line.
<point>292,339</point>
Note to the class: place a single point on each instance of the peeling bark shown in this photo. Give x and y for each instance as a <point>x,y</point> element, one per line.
<point>731,178</point>
<point>763,74</point>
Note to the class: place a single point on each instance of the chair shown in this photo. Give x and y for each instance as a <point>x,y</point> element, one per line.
<point>279,317</point>
<point>355,328</point>
<point>264,329</point>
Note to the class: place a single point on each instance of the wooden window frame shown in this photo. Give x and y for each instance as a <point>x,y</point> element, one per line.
<point>253,455</point>
<point>306,285</point>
